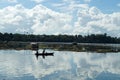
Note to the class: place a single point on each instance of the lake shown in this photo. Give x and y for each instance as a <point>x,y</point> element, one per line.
<point>64,65</point>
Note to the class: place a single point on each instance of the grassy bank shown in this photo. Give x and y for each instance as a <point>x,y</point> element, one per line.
<point>60,47</point>
<point>80,48</point>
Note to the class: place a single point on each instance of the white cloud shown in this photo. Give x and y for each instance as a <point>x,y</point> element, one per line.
<point>48,21</point>
<point>39,20</point>
<point>13,18</point>
<point>75,19</point>
<point>90,19</point>
<point>94,21</point>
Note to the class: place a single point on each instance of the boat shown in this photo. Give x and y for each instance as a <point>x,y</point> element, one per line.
<point>43,54</point>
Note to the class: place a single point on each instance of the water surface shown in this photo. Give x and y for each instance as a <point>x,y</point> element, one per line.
<point>64,65</point>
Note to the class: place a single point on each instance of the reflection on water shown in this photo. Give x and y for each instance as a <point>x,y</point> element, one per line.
<point>23,65</point>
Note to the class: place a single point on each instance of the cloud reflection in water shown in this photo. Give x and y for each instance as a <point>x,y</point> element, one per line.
<point>64,65</point>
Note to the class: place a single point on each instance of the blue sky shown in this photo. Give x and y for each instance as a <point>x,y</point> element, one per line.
<point>106,6</point>
<point>75,16</point>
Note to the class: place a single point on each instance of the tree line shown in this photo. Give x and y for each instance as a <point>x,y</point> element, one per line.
<point>92,38</point>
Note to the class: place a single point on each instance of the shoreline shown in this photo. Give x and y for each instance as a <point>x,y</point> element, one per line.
<point>77,47</point>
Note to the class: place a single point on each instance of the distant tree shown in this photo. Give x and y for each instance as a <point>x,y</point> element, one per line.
<point>93,38</point>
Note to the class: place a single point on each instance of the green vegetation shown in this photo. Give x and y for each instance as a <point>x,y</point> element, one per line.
<point>22,41</point>
<point>14,45</point>
<point>80,48</point>
<point>60,47</point>
<point>93,38</point>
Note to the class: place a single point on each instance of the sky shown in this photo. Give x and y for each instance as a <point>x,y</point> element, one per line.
<point>71,17</point>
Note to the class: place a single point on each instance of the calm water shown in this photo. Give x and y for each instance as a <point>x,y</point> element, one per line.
<point>64,65</point>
